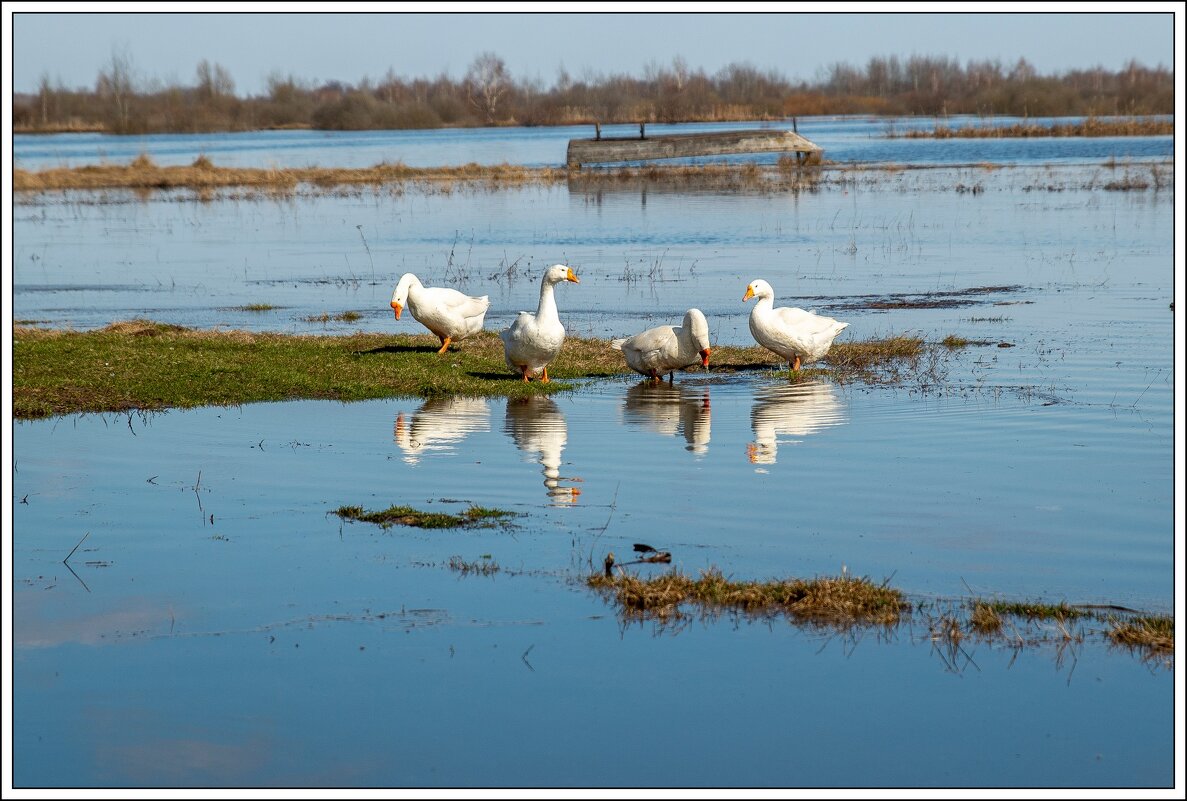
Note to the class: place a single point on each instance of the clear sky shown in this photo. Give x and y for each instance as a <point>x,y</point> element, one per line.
<point>317,45</point>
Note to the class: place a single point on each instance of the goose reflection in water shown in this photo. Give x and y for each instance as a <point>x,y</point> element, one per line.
<point>791,411</point>
<point>439,425</point>
<point>674,410</point>
<point>538,428</point>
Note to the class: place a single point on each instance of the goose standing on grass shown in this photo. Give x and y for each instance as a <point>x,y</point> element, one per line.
<point>797,335</point>
<point>665,349</point>
<point>534,340</point>
<point>449,314</point>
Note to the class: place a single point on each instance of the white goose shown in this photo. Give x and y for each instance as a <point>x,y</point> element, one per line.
<point>791,410</point>
<point>534,340</point>
<point>797,335</point>
<point>440,424</point>
<point>672,411</point>
<point>538,427</point>
<point>449,314</point>
<point>665,349</point>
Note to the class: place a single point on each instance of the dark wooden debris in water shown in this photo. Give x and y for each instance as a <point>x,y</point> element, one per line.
<point>653,557</point>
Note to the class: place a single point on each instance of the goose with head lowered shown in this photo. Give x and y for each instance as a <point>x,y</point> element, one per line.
<point>449,314</point>
<point>534,340</point>
<point>665,349</point>
<point>799,336</point>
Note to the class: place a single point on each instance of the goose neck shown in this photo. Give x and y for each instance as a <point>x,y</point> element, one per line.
<point>547,305</point>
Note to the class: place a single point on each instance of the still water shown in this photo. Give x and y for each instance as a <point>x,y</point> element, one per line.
<point>844,139</point>
<point>225,628</point>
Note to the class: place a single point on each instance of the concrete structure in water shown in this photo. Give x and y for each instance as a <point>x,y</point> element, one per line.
<point>721,143</point>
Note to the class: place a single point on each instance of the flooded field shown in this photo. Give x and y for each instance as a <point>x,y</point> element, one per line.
<point>219,625</point>
<point>845,139</point>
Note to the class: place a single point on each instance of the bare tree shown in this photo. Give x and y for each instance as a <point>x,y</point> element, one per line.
<point>214,81</point>
<point>488,80</point>
<point>45,97</point>
<point>117,84</point>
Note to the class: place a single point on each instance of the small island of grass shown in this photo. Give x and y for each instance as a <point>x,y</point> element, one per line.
<point>140,365</point>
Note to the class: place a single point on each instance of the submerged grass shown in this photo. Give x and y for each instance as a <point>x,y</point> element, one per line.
<point>144,365</point>
<point>340,317</point>
<point>474,517</point>
<point>483,567</point>
<point>1033,610</point>
<point>1153,633</point>
<point>837,601</point>
<point>984,618</point>
<point>845,603</point>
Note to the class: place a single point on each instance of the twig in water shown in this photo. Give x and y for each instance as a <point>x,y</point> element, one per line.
<point>360,227</point>
<point>75,548</point>
<point>524,657</point>
<point>198,495</point>
<point>613,506</point>
<point>1139,397</point>
<point>66,562</point>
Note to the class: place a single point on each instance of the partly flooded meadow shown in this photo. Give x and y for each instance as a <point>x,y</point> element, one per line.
<point>192,606</point>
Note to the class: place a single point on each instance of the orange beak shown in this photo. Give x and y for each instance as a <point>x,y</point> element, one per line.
<point>749,294</point>
<point>398,309</point>
<point>705,357</point>
<point>572,276</point>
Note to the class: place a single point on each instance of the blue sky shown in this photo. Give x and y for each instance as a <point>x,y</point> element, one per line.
<point>319,46</point>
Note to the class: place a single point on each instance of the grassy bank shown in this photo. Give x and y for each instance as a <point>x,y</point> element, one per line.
<point>142,365</point>
<point>1089,127</point>
<point>144,173</point>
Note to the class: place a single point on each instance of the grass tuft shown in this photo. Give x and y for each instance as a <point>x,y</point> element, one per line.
<point>474,517</point>
<point>835,601</point>
<point>984,618</point>
<point>483,567</point>
<point>341,317</point>
<point>1155,633</point>
<point>1034,610</point>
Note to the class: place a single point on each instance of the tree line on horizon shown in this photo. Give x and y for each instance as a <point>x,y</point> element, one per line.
<point>487,95</point>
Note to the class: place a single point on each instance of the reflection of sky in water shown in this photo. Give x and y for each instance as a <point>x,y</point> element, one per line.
<point>217,628</point>
<point>787,413</point>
